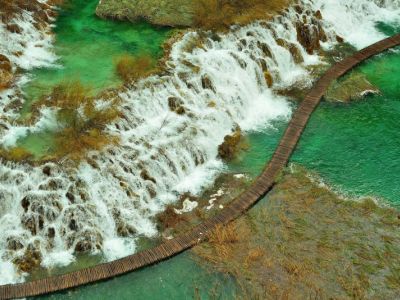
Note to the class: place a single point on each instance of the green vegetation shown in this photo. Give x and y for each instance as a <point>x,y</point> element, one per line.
<point>6,74</point>
<point>352,87</point>
<point>207,14</point>
<point>16,154</point>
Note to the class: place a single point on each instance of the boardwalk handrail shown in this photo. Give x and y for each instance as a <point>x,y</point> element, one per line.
<point>242,203</point>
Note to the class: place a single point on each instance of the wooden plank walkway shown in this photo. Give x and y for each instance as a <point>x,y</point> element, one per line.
<point>259,188</point>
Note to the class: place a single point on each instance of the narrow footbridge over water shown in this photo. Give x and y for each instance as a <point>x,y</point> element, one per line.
<point>261,186</point>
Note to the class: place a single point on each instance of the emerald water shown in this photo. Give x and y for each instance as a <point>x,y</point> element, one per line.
<point>355,146</point>
<point>352,146</point>
<point>88,47</point>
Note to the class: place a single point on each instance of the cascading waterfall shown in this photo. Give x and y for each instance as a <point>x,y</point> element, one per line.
<point>171,127</point>
<point>356,20</point>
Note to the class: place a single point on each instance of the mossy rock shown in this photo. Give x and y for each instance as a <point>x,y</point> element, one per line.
<point>6,74</point>
<point>232,144</point>
<point>177,13</point>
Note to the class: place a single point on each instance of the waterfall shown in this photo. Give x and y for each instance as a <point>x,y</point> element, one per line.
<point>356,20</point>
<point>170,129</point>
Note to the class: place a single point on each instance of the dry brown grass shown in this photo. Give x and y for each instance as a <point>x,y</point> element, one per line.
<point>82,121</point>
<point>220,14</point>
<point>131,68</point>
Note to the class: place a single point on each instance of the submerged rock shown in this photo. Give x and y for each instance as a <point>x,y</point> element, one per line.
<point>354,86</point>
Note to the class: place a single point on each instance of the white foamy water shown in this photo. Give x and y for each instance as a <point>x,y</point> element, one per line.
<point>356,20</point>
<point>107,203</point>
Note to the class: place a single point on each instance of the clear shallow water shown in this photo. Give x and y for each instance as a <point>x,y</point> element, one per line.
<point>178,278</point>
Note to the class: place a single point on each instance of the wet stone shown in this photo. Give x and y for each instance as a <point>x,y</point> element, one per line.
<point>14,28</point>
<point>47,170</point>
<point>146,176</point>
<point>25,203</point>
<point>206,83</point>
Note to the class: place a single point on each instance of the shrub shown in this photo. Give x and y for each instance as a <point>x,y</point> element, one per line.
<point>131,68</point>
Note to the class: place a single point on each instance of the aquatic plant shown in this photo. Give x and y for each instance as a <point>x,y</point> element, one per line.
<point>6,75</point>
<point>9,9</point>
<point>82,117</point>
<point>169,219</point>
<point>131,68</point>
<point>352,87</point>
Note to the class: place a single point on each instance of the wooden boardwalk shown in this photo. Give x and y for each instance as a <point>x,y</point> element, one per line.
<point>259,188</point>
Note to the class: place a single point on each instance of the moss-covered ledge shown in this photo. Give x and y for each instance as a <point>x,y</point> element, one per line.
<point>159,12</point>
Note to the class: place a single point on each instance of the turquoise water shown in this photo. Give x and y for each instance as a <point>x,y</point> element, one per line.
<point>356,146</point>
<point>178,278</point>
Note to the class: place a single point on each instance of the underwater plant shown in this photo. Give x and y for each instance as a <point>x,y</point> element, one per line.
<point>131,68</point>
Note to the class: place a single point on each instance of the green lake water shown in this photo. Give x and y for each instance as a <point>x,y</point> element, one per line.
<point>352,146</point>
<point>356,146</point>
<point>88,48</point>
